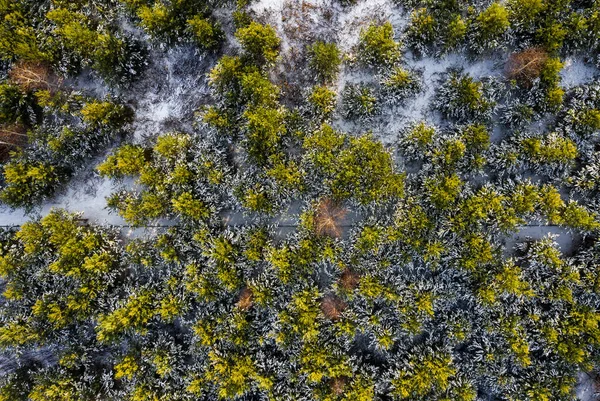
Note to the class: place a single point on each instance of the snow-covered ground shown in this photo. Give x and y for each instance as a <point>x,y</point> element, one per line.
<point>175,86</point>
<point>328,20</point>
<point>87,197</point>
<point>165,99</point>
<point>576,72</point>
<point>418,108</point>
<point>364,13</point>
<point>563,237</point>
<point>587,389</point>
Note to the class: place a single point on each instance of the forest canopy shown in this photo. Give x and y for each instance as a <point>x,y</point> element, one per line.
<point>330,200</point>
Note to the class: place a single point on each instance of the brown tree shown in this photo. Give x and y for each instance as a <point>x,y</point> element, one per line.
<point>338,385</point>
<point>525,66</point>
<point>349,280</point>
<point>328,218</point>
<point>333,306</point>
<point>245,299</point>
<point>31,75</point>
<point>11,138</point>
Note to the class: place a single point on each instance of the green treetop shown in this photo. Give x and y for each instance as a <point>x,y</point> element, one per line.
<point>377,45</point>
<point>260,42</point>
<point>325,60</point>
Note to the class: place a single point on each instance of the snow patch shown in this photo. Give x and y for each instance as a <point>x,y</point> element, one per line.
<point>393,119</point>
<point>564,238</point>
<point>418,108</point>
<point>327,20</point>
<point>261,6</point>
<point>586,388</point>
<point>10,217</point>
<point>88,198</point>
<point>89,84</point>
<point>173,88</point>
<point>576,72</point>
<point>91,203</point>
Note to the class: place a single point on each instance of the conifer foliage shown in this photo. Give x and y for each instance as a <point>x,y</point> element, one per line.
<point>293,254</point>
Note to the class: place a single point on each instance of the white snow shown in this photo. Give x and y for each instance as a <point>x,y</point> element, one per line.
<point>417,108</point>
<point>88,84</point>
<point>563,237</point>
<point>170,93</point>
<point>164,101</point>
<point>586,390</point>
<point>91,204</point>
<point>151,115</point>
<point>10,217</point>
<point>295,21</point>
<point>576,72</point>
<point>88,198</point>
<point>433,68</point>
<point>363,14</point>
<point>326,18</point>
<point>270,5</point>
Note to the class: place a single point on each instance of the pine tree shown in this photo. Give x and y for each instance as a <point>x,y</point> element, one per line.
<point>325,60</point>
<point>377,46</point>
<point>260,42</point>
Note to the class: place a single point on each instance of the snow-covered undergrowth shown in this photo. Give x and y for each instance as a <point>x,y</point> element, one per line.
<point>171,92</point>
<point>165,99</point>
<point>392,119</point>
<point>449,177</point>
<point>327,20</point>
<point>175,84</point>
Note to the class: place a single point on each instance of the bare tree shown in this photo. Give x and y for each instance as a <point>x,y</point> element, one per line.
<point>333,306</point>
<point>245,299</point>
<point>34,75</point>
<point>526,66</point>
<point>328,218</point>
<point>349,280</point>
<point>11,138</point>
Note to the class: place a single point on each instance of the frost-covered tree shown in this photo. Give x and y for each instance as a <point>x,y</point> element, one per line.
<point>325,59</point>
<point>377,46</point>
<point>462,98</point>
<point>115,57</point>
<point>260,42</point>
<point>490,25</point>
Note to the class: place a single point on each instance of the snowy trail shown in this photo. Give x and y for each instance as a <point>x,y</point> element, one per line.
<point>78,198</point>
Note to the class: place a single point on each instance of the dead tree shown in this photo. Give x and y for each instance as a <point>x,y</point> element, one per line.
<point>338,385</point>
<point>11,138</point>
<point>526,66</point>
<point>349,280</point>
<point>245,299</point>
<point>332,307</point>
<point>328,218</point>
<point>30,75</point>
